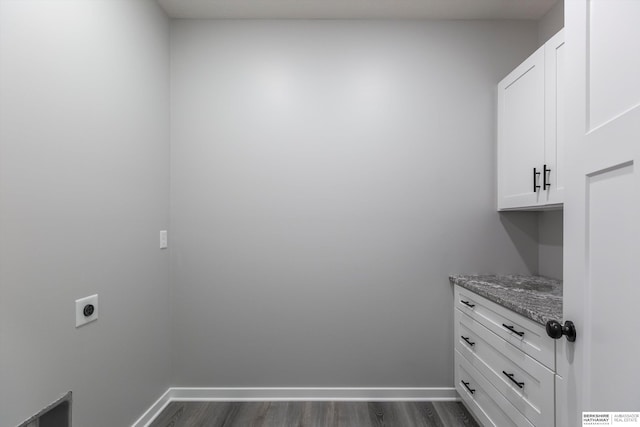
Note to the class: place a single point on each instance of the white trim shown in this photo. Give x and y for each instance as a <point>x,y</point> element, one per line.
<point>248,394</point>
<point>154,410</point>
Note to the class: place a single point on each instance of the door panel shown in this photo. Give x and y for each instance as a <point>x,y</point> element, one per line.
<point>522,102</point>
<point>611,265</point>
<point>614,65</point>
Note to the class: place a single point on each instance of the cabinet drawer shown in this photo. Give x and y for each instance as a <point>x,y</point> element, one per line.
<point>523,333</point>
<point>487,404</point>
<point>526,383</point>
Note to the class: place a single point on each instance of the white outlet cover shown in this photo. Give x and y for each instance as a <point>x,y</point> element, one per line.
<point>163,239</point>
<point>81,303</point>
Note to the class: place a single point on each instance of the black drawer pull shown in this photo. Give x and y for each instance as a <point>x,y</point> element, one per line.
<point>511,328</point>
<point>466,385</point>
<point>545,183</point>
<point>467,303</point>
<point>510,376</point>
<point>467,340</point>
<point>536,187</point>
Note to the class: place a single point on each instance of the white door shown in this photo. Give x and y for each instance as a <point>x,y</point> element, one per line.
<point>521,134</point>
<point>600,370</point>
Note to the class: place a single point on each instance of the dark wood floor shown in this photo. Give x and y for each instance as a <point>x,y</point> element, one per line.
<point>314,414</point>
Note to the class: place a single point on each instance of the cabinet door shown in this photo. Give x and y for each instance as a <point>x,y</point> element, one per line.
<point>554,125</point>
<point>521,134</point>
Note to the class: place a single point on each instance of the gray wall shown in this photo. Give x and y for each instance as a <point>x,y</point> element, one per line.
<point>84,179</point>
<point>551,23</point>
<point>550,222</point>
<point>326,179</point>
<point>550,247</point>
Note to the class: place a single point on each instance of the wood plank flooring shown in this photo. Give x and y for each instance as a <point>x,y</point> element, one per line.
<point>314,414</point>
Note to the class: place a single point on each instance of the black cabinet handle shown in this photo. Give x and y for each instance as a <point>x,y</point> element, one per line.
<point>510,376</point>
<point>545,183</point>
<point>466,385</point>
<point>536,187</point>
<point>467,340</point>
<point>512,329</point>
<point>468,304</point>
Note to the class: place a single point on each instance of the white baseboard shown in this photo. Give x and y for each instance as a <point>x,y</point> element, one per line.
<point>248,394</point>
<point>154,410</point>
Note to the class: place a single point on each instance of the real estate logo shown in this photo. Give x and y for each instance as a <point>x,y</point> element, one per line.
<point>627,419</point>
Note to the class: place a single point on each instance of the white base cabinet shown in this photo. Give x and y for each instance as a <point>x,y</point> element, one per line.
<point>488,406</point>
<point>504,378</point>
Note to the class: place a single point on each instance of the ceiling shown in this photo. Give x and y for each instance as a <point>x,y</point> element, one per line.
<point>357,9</point>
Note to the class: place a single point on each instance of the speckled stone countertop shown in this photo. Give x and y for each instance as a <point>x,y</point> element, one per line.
<point>535,297</point>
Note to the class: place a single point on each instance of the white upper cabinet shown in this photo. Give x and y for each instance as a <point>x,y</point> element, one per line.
<point>530,142</point>
<point>554,120</point>
<point>521,134</point>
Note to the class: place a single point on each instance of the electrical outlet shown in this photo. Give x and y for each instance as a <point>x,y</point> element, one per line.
<point>163,239</point>
<point>86,310</point>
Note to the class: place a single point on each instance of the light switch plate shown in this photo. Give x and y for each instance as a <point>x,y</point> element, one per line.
<point>81,314</point>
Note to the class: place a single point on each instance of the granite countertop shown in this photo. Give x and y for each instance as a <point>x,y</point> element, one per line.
<point>535,297</point>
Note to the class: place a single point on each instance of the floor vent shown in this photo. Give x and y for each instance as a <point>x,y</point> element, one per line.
<point>58,414</point>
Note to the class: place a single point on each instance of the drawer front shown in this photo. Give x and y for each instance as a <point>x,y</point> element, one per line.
<point>526,383</point>
<point>486,403</point>
<point>523,333</point>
